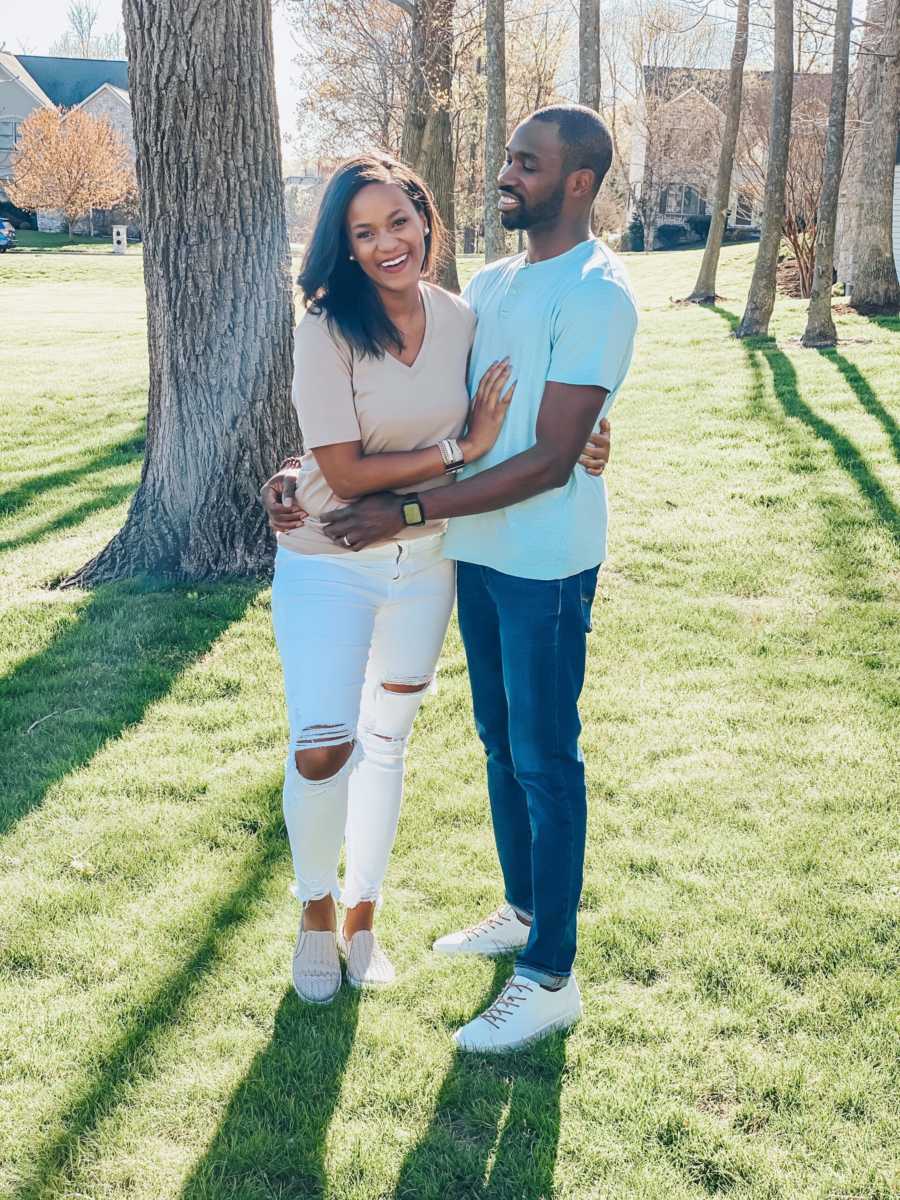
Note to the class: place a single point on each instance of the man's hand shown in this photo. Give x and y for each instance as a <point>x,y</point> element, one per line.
<point>278,500</point>
<point>369,520</point>
<point>595,455</point>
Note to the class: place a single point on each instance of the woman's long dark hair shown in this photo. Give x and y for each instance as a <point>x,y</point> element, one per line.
<point>333,285</point>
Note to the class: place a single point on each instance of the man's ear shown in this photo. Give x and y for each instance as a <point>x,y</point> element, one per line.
<point>581,183</point>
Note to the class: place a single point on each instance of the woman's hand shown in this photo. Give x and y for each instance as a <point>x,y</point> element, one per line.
<point>488,411</point>
<point>595,455</point>
<point>278,500</point>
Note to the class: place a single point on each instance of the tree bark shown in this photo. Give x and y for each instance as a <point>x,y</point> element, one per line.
<point>217,277</point>
<point>705,288</point>
<point>589,54</point>
<point>820,330</point>
<point>874,285</point>
<point>427,144</point>
<point>761,298</point>
<point>417,104</point>
<point>494,127</point>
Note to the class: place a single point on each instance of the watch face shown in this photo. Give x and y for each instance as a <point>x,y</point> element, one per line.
<point>412,513</point>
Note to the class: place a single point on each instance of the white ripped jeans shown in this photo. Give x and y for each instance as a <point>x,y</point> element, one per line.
<point>345,626</point>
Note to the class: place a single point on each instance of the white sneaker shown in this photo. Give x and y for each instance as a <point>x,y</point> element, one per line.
<point>367,963</point>
<point>316,968</point>
<point>500,933</point>
<point>523,1012</point>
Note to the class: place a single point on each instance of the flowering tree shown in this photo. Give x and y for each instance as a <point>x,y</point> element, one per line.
<point>70,162</point>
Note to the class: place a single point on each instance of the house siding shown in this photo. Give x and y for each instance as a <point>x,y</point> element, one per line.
<point>16,103</point>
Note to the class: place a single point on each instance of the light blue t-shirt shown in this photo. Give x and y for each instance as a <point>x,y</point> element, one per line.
<point>569,319</point>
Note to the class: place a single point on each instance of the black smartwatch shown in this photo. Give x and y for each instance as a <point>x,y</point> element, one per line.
<point>413,513</point>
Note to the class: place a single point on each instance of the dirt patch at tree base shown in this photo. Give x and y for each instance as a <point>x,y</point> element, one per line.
<point>787,279</point>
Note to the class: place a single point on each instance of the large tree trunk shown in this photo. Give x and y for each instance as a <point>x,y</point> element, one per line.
<point>875,287</point>
<point>761,298</point>
<point>705,288</point>
<point>820,330</point>
<point>494,126</point>
<point>589,54</point>
<point>217,277</point>
<point>427,144</point>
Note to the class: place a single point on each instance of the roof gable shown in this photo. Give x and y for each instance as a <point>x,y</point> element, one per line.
<point>11,67</point>
<point>110,90</point>
<point>68,81</point>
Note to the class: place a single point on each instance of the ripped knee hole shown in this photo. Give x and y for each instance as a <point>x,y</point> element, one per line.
<point>406,689</point>
<point>320,756</point>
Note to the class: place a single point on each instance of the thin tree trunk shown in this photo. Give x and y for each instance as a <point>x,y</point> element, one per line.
<point>417,104</point>
<point>494,126</point>
<point>427,144</point>
<point>217,277</point>
<point>761,298</point>
<point>875,287</point>
<point>589,54</point>
<point>820,330</point>
<point>705,288</point>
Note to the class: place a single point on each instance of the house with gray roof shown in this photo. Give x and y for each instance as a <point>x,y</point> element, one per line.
<point>31,81</point>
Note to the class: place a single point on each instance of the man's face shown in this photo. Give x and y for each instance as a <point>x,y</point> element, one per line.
<point>532,183</point>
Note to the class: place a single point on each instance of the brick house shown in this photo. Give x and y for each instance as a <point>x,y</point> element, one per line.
<point>675,151</point>
<point>676,135</point>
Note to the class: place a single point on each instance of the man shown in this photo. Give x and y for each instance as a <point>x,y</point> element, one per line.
<point>529,534</point>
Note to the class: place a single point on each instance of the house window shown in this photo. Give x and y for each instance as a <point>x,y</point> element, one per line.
<point>681,200</point>
<point>9,133</point>
<point>744,210</point>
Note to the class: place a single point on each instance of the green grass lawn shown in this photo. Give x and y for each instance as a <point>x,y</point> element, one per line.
<point>741,917</point>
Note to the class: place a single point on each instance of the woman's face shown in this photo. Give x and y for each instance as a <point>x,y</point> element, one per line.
<point>386,233</point>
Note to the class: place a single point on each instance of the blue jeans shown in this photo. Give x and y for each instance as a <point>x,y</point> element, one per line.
<point>525,643</point>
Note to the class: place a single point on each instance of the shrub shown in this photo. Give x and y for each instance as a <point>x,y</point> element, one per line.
<point>669,236</point>
<point>633,237</point>
<point>700,227</point>
<point>740,233</point>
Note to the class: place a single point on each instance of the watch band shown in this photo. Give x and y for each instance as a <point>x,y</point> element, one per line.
<point>412,510</point>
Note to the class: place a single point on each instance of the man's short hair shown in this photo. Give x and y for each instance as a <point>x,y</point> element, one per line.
<point>586,140</point>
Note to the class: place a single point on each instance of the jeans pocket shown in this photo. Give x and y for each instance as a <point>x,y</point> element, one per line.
<point>588,592</point>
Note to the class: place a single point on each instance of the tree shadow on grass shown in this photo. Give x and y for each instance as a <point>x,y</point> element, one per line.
<point>121,454</point>
<point>495,1129</point>
<point>74,516</point>
<point>122,652</point>
<point>847,454</point>
<point>273,1136</point>
<point>867,397</point>
<point>113,1075</point>
<point>889,323</point>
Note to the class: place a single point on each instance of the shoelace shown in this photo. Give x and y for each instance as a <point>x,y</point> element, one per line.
<point>506,1003</point>
<point>495,921</point>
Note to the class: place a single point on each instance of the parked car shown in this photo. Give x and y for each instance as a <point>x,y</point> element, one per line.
<point>7,236</point>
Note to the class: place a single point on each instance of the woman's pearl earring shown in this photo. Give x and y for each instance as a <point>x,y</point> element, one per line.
<point>352,259</point>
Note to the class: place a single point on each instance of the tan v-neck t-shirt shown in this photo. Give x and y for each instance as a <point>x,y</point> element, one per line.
<point>388,406</point>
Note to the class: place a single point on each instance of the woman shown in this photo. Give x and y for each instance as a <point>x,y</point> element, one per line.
<point>380,390</point>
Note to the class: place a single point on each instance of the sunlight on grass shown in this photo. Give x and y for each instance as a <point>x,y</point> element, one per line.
<point>741,910</point>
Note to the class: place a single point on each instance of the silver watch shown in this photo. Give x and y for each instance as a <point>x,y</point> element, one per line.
<point>454,459</point>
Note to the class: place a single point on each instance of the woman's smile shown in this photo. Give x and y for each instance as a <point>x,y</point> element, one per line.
<point>394,266</point>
